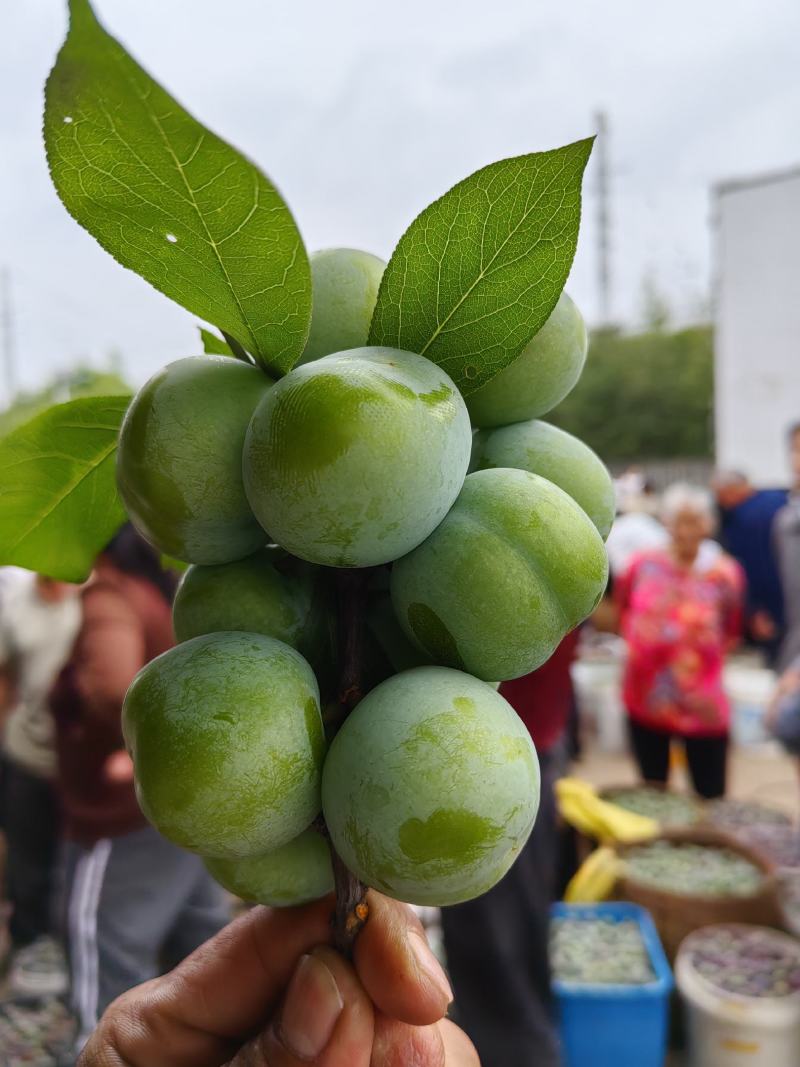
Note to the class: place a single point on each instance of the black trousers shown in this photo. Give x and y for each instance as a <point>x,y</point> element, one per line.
<point>30,821</point>
<point>707,758</point>
<point>497,954</point>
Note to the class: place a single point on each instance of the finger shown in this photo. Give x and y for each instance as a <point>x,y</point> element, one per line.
<point>196,1015</point>
<point>326,1019</point>
<point>458,1049</point>
<point>401,1045</point>
<point>396,965</point>
<point>130,1034</point>
<point>441,1045</point>
<point>234,982</point>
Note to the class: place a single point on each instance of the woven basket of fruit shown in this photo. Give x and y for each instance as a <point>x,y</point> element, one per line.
<point>734,815</point>
<point>697,877</point>
<point>651,801</point>
<point>657,802</point>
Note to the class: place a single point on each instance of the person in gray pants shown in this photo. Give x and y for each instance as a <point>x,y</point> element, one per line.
<point>137,906</point>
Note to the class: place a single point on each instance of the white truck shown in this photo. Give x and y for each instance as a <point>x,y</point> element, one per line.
<point>757,320</point>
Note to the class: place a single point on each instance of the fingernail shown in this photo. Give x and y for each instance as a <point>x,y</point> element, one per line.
<point>428,964</point>
<point>312,1007</point>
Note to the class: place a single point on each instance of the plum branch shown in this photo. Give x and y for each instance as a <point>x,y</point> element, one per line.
<point>351,586</point>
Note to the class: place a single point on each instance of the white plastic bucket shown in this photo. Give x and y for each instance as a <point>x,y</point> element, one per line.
<point>750,690</point>
<point>598,685</point>
<point>726,1030</point>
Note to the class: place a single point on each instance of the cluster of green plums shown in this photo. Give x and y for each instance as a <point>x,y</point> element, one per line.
<point>482,528</point>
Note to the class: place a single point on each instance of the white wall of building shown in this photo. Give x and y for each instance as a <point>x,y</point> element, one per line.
<point>757,311</point>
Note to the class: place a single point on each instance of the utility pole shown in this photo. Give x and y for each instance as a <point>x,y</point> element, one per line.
<point>7,334</point>
<point>603,220</point>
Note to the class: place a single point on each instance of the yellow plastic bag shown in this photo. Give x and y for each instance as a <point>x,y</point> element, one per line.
<point>582,808</point>
<point>596,878</point>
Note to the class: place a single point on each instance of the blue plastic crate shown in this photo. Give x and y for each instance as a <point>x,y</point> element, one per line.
<point>612,1025</point>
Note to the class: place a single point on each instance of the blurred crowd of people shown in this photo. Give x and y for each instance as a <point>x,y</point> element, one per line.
<point>758,527</point>
<point>82,866</point>
<point>694,571</point>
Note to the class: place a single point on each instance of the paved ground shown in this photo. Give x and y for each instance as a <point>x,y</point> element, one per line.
<point>761,773</point>
<point>35,1034</point>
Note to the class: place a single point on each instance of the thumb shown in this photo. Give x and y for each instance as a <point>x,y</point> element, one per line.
<point>326,1019</point>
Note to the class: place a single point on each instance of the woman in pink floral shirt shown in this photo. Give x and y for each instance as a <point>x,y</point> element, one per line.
<point>681,610</point>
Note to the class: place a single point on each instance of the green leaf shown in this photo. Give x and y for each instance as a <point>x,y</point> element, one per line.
<point>170,563</point>
<point>479,271</point>
<point>58,496</point>
<point>236,349</point>
<point>171,200</point>
<point>213,345</point>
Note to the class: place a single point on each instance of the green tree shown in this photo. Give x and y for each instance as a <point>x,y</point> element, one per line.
<point>78,382</point>
<point>647,395</point>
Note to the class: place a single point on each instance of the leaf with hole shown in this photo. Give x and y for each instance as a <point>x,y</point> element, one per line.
<point>58,494</point>
<point>476,275</point>
<point>171,200</point>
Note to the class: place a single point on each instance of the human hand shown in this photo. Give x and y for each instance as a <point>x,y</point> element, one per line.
<point>269,991</point>
<point>762,626</point>
<point>788,683</point>
<point>118,767</point>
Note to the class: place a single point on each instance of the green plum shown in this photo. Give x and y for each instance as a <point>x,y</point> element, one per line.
<point>179,463</point>
<point>431,787</point>
<point>295,873</point>
<point>543,449</point>
<point>514,567</point>
<point>345,286</point>
<point>226,737</point>
<point>352,460</point>
<point>267,593</point>
<point>540,377</point>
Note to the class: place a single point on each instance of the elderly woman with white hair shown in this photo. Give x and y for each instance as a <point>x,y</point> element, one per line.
<point>680,611</point>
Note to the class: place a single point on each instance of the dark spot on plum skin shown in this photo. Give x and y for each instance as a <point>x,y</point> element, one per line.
<point>450,836</point>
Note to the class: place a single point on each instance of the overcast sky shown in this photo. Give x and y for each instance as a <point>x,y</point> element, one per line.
<point>363,111</point>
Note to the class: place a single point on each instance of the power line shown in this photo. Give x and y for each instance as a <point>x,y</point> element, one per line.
<point>603,220</point>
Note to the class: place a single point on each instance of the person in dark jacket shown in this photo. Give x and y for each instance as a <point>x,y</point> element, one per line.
<point>134,901</point>
<point>787,544</point>
<point>746,531</point>
<point>497,946</point>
